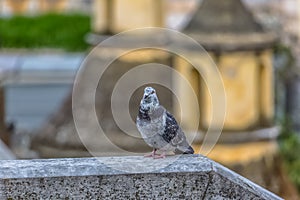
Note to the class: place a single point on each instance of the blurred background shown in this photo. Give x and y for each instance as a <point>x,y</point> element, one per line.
<point>255,44</point>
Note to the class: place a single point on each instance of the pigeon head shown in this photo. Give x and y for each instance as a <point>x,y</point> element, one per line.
<point>150,99</point>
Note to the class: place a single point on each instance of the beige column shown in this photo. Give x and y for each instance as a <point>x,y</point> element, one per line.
<point>18,6</point>
<point>129,14</point>
<point>53,5</point>
<point>185,110</point>
<point>267,88</point>
<point>100,20</point>
<point>114,16</point>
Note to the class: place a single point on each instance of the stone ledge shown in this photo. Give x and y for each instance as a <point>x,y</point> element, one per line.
<point>135,177</point>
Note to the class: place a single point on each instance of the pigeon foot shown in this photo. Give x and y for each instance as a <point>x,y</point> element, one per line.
<point>157,156</point>
<point>152,154</point>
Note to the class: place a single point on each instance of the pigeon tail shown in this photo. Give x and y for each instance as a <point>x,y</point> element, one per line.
<point>188,150</point>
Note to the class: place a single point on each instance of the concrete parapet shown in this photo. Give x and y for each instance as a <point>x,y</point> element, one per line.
<point>135,177</point>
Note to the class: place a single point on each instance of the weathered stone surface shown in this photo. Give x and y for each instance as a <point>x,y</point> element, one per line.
<point>185,177</point>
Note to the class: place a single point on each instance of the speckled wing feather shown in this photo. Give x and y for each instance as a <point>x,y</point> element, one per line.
<point>175,136</point>
<point>171,128</point>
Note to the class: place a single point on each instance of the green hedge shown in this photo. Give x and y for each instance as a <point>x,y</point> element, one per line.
<point>65,31</point>
<point>290,151</point>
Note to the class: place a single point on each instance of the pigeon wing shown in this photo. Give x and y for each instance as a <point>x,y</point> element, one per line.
<point>172,132</point>
<point>175,136</point>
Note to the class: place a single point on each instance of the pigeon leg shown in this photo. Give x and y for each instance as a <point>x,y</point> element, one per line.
<point>152,154</point>
<point>163,155</point>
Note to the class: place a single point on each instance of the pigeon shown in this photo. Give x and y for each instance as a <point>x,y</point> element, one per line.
<point>159,128</point>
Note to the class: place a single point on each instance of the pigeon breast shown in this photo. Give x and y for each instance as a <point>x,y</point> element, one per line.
<point>152,128</point>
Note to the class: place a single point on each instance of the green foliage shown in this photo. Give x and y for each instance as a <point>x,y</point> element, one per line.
<point>290,151</point>
<point>286,68</point>
<point>64,31</point>
<point>281,49</point>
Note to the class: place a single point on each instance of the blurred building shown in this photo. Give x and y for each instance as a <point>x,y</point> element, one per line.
<point>113,17</point>
<point>35,85</point>
<point>58,137</point>
<point>31,7</point>
<point>284,17</point>
<point>242,49</point>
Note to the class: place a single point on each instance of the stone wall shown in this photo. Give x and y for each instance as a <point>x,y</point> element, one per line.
<point>185,177</point>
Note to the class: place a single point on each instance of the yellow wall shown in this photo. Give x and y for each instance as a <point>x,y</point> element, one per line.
<point>240,73</point>
<point>248,83</point>
<point>267,89</point>
<point>120,15</point>
<point>186,110</point>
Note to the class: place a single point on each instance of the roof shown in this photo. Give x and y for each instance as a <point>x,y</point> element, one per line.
<point>229,16</point>
<point>230,19</point>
